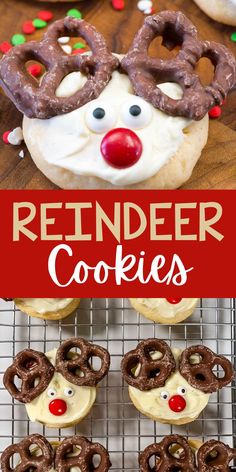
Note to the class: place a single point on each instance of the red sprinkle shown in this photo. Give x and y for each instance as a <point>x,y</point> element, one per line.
<point>35,70</point>
<point>45,15</point>
<point>5,46</point>
<point>118,4</point>
<point>28,27</point>
<point>5,136</point>
<point>77,51</point>
<point>215,112</point>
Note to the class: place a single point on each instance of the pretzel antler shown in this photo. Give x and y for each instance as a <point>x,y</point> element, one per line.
<point>28,460</point>
<point>200,374</point>
<point>144,372</point>
<point>35,372</point>
<point>40,100</point>
<point>215,456</point>
<point>146,73</point>
<point>164,458</point>
<point>71,367</point>
<point>64,461</point>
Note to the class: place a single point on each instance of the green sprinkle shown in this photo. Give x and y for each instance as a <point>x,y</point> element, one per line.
<point>233,37</point>
<point>39,23</point>
<point>79,46</point>
<point>74,13</point>
<point>18,39</point>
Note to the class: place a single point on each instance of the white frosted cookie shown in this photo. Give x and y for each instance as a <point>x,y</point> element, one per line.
<point>106,121</point>
<point>47,308</point>
<point>62,404</point>
<point>67,148</point>
<point>170,385</point>
<point>223,11</point>
<point>58,388</point>
<point>165,310</point>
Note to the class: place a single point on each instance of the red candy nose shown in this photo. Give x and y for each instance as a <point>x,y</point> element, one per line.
<point>57,407</point>
<point>121,148</point>
<point>177,403</point>
<point>174,301</point>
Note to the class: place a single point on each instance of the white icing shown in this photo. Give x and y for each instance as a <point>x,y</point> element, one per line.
<point>166,309</point>
<point>232,1</point>
<point>45,305</point>
<point>152,402</point>
<point>66,141</point>
<point>78,405</point>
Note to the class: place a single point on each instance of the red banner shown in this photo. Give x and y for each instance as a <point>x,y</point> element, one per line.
<point>117,244</point>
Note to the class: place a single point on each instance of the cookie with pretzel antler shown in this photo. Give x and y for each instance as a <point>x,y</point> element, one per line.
<point>174,452</point>
<point>58,388</point>
<point>223,11</point>
<point>47,308</point>
<point>37,454</point>
<point>165,310</point>
<point>171,386</point>
<point>100,120</point>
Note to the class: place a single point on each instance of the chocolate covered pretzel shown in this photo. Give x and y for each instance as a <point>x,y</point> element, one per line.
<point>140,370</point>
<point>28,459</point>
<point>35,370</point>
<point>71,367</point>
<point>164,458</point>
<point>39,100</point>
<point>146,72</point>
<point>64,460</point>
<point>61,460</point>
<point>215,456</point>
<point>200,373</point>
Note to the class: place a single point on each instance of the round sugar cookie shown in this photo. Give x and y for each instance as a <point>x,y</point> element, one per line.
<point>165,310</point>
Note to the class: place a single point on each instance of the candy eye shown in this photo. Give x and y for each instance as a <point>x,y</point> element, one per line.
<point>51,392</point>
<point>69,392</point>
<point>164,395</point>
<point>181,390</point>
<point>100,118</point>
<point>136,113</point>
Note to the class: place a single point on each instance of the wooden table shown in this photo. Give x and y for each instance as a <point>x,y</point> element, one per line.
<point>217,166</point>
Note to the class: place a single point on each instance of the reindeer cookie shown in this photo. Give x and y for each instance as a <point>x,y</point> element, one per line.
<point>102,121</point>
<point>223,11</point>
<point>165,310</point>
<point>59,387</point>
<point>171,386</point>
<point>47,308</point>
<point>175,452</point>
<point>73,453</point>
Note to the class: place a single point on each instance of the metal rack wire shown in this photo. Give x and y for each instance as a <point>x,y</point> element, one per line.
<point>113,420</point>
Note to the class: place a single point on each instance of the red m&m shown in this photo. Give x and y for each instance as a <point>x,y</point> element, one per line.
<point>57,407</point>
<point>177,403</point>
<point>121,148</point>
<point>174,301</point>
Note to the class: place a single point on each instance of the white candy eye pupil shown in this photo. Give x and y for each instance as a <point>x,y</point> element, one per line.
<point>135,110</point>
<point>99,113</point>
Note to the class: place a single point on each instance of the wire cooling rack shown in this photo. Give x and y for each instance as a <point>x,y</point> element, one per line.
<point>113,420</point>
